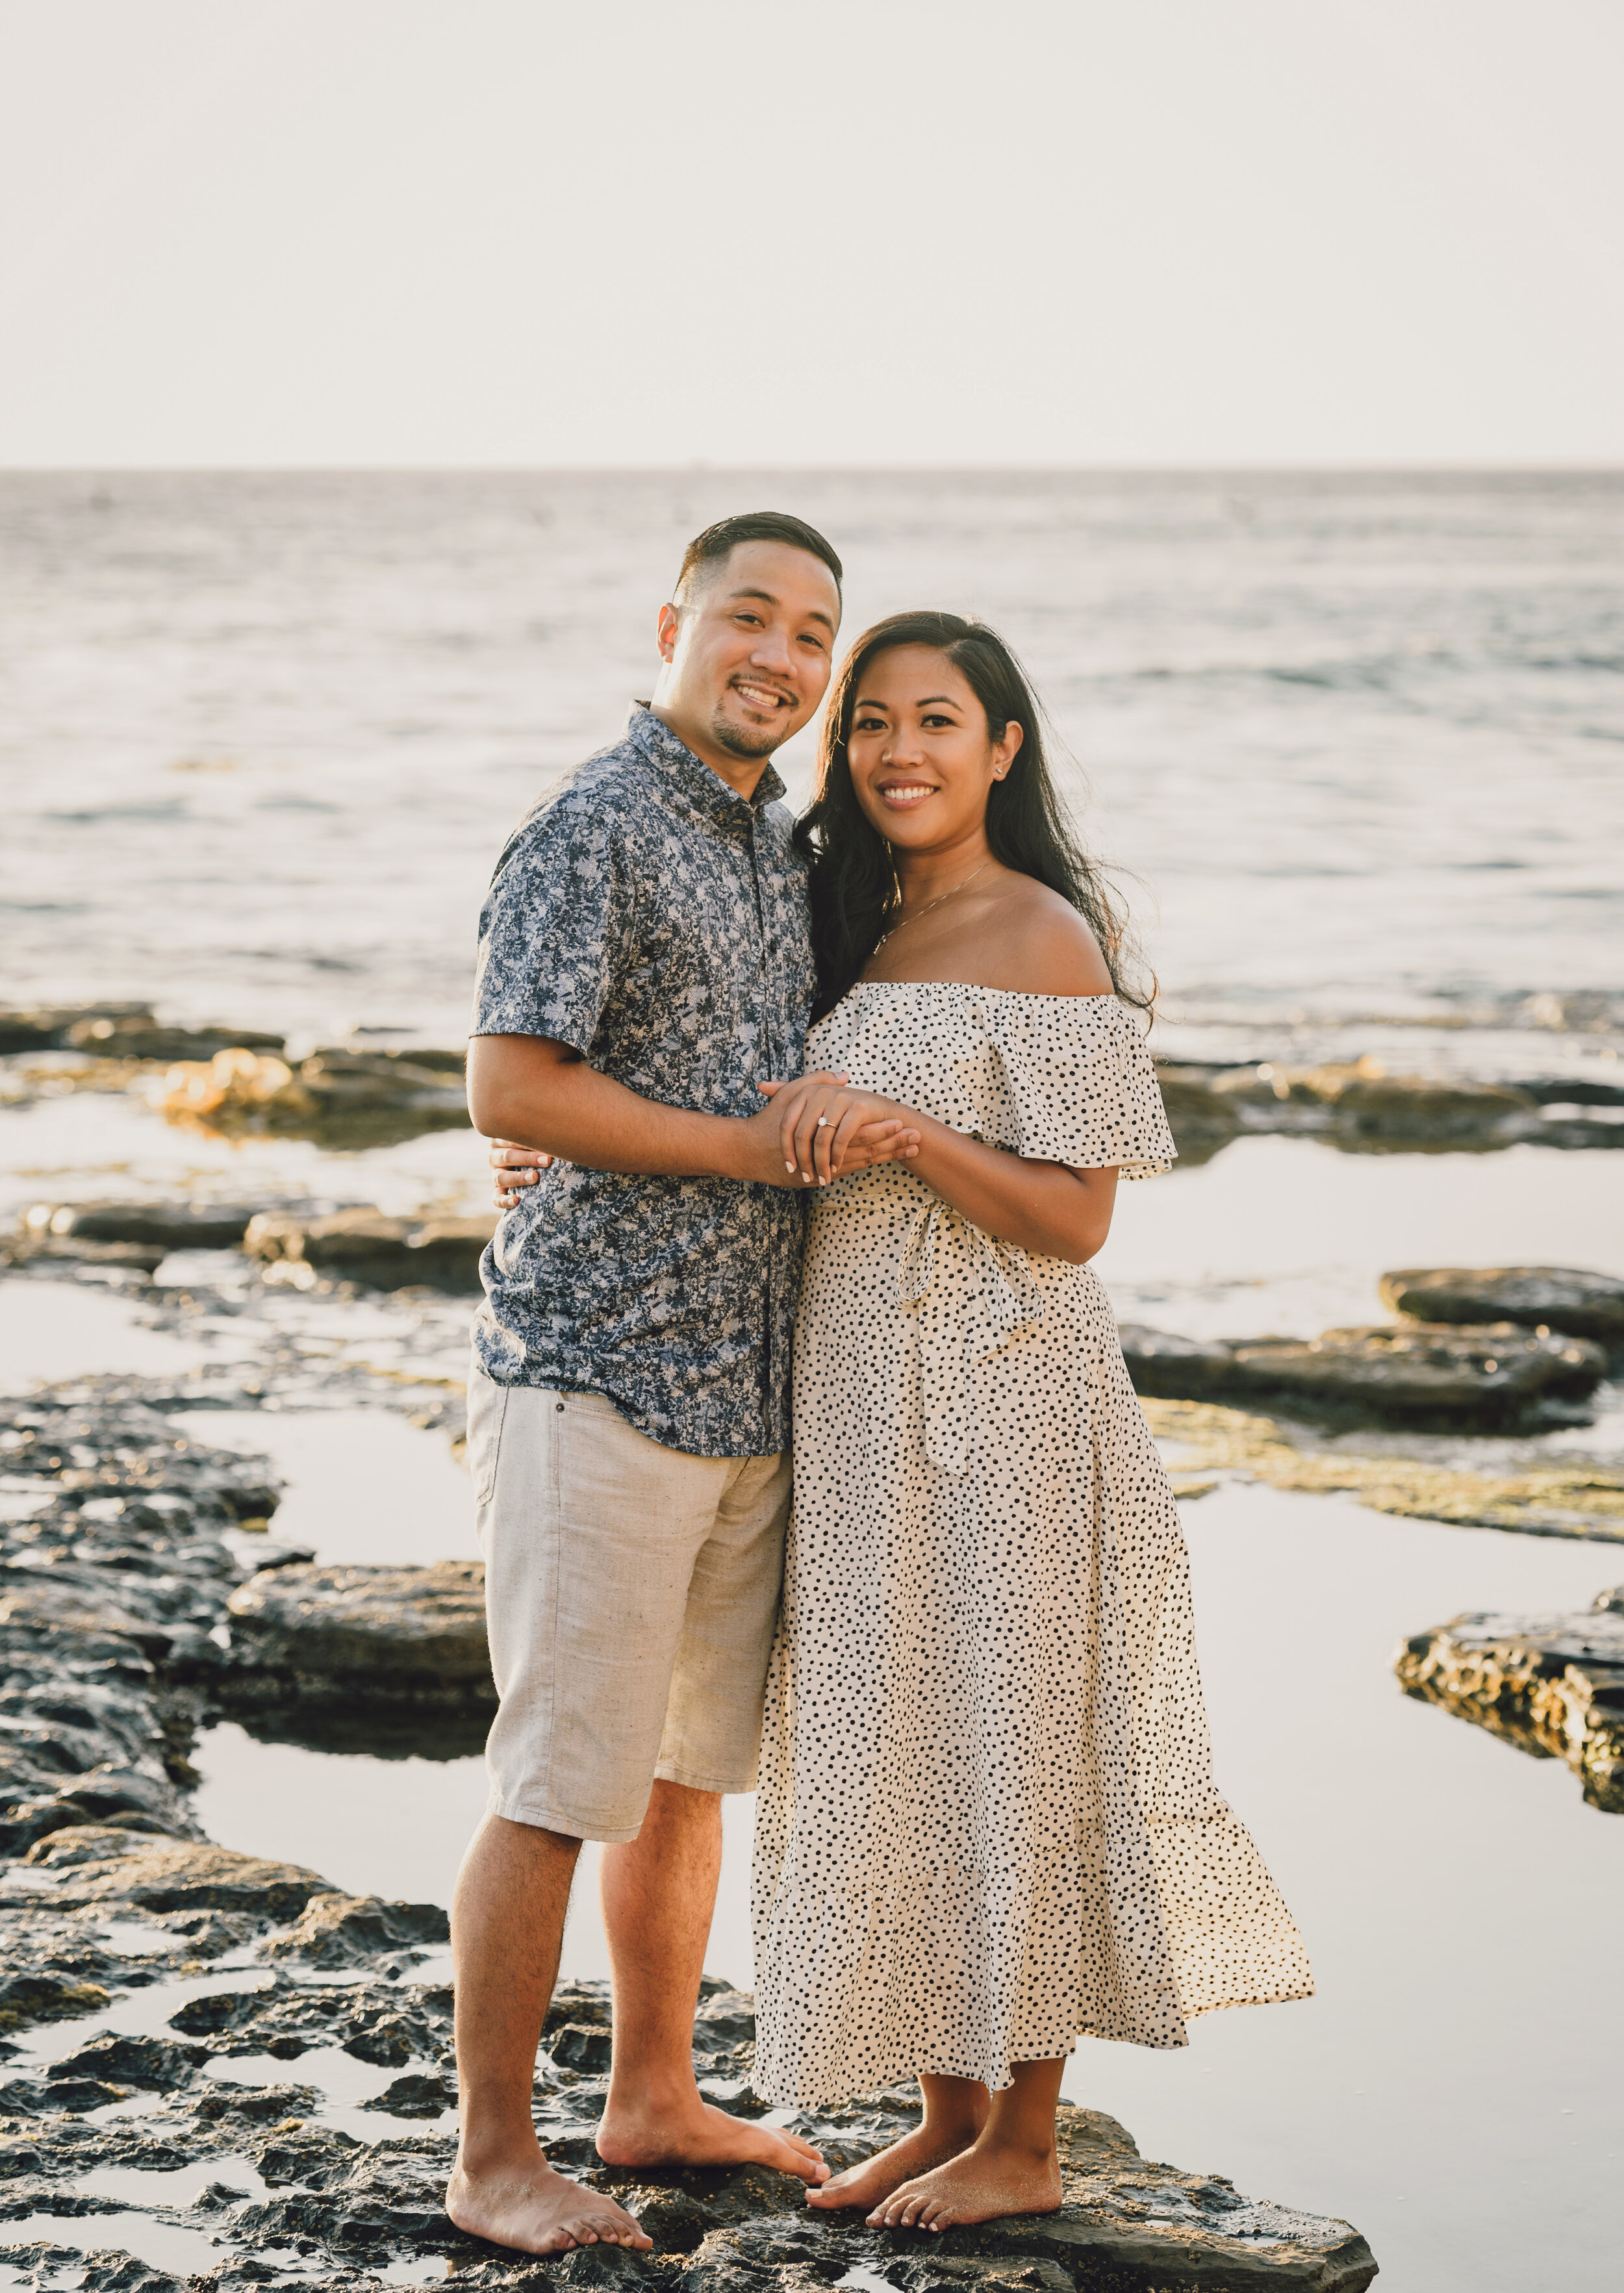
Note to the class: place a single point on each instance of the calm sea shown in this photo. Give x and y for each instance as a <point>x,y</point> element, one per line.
<point>1358,740</point>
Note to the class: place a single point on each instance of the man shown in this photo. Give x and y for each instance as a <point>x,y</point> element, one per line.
<point>644,965</point>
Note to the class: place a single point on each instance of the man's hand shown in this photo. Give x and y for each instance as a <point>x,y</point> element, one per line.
<point>827,1130</point>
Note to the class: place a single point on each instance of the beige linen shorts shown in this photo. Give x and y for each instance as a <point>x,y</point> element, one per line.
<point>631,1593</point>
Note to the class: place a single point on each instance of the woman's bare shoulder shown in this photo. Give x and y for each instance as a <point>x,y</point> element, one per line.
<point>1046,948</point>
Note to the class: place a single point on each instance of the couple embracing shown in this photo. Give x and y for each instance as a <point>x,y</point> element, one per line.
<point>965,1678</point>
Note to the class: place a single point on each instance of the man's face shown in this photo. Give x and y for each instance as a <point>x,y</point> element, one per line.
<point>747,656</point>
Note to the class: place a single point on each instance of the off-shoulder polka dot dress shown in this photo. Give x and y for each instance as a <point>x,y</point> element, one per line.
<point>987,1820</point>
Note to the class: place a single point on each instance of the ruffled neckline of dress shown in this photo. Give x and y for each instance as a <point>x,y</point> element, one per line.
<point>969,987</point>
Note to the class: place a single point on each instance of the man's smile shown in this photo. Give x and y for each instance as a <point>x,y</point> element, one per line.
<point>763,697</point>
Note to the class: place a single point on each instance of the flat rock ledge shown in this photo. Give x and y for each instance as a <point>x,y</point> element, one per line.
<point>1551,1686</point>
<point>316,1970</point>
<point>1543,1298</point>
<point>364,1634</point>
<point>1430,1376</point>
<point>365,1245</point>
<point>1358,1105</point>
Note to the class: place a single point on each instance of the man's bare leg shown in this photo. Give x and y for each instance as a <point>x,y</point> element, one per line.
<point>1012,2166</point>
<point>506,1928</point>
<point>955,2111</point>
<point>659,1893</point>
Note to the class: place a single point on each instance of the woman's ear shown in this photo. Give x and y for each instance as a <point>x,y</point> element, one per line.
<point>1007,748</point>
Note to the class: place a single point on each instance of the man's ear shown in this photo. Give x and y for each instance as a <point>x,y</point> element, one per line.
<point>670,622</point>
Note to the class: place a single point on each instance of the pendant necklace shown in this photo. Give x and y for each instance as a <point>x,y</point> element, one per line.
<point>936,902</point>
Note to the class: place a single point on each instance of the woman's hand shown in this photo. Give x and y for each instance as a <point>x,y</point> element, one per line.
<point>513,1169</point>
<point>828,1130</point>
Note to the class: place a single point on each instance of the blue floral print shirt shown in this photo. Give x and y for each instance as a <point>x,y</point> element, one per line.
<point>650,917</point>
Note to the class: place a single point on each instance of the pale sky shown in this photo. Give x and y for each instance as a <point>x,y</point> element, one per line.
<point>860,231</point>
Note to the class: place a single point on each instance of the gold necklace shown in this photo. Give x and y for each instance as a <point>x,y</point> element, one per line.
<point>925,910</point>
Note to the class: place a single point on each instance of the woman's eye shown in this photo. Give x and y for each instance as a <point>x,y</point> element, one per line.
<point>931,723</point>
<point>869,725</point>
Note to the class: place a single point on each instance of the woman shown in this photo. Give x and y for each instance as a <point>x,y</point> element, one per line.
<point>987,1820</point>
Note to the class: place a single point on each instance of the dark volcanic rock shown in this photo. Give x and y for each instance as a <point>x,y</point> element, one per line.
<point>1359,1107</point>
<point>141,1037</point>
<point>418,2094</point>
<point>1554,1297</point>
<point>416,1633</point>
<point>159,1225</point>
<point>1406,1372</point>
<point>1126,2225</point>
<point>108,1867</point>
<point>1552,1686</point>
<point>44,1027</point>
<point>130,2062</point>
<point>365,1246</point>
<point>351,1930</point>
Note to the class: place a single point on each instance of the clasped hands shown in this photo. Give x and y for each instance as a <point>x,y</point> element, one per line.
<point>826,1129</point>
<point>815,1128</point>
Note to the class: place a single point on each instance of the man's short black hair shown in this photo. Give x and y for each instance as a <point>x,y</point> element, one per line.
<point>714,544</point>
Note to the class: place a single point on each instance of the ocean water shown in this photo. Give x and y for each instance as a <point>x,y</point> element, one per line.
<point>1357,740</point>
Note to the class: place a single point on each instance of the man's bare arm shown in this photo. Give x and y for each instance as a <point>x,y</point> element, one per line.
<point>544,1095</point>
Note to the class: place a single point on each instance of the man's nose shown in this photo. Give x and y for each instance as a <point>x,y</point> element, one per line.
<point>771,650</point>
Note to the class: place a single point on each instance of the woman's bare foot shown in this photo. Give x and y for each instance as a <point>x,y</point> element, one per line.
<point>875,2178</point>
<point>524,2203</point>
<point>982,2184</point>
<point>694,2132</point>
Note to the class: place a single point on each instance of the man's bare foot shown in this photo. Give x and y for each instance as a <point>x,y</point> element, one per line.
<point>694,2133</point>
<point>874,2178</point>
<point>526,2204</point>
<point>982,2184</point>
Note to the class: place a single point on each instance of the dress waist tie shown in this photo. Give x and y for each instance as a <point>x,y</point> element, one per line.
<point>1001,1296</point>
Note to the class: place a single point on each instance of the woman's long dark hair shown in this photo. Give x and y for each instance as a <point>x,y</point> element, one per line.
<point>854,890</point>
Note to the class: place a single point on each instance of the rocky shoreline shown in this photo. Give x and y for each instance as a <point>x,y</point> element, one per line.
<point>237,1081</point>
<point>161,1996</point>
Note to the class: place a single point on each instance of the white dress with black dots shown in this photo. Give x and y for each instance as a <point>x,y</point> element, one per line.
<point>987,1820</point>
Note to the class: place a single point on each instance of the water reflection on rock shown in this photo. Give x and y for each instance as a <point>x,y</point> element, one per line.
<point>1550,1686</point>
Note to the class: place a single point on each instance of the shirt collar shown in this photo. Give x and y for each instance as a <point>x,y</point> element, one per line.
<point>708,789</point>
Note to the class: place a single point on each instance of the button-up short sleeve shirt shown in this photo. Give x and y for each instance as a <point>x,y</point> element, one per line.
<point>656,920</point>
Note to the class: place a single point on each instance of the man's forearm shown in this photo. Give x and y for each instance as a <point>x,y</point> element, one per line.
<point>564,1108</point>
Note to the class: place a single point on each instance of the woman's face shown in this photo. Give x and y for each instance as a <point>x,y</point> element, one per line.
<point>921,756</point>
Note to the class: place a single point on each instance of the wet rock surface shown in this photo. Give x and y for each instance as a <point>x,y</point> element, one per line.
<point>269,2186</point>
<point>1552,1686</point>
<point>216,2068</point>
<point>365,1245</point>
<point>1439,1374</point>
<point>1552,1297</point>
<point>1209,1443</point>
<point>1359,1107</point>
<point>339,1099</point>
<point>412,1634</point>
<point>166,1226</point>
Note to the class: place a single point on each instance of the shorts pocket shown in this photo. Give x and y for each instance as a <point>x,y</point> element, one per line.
<point>487,1414</point>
